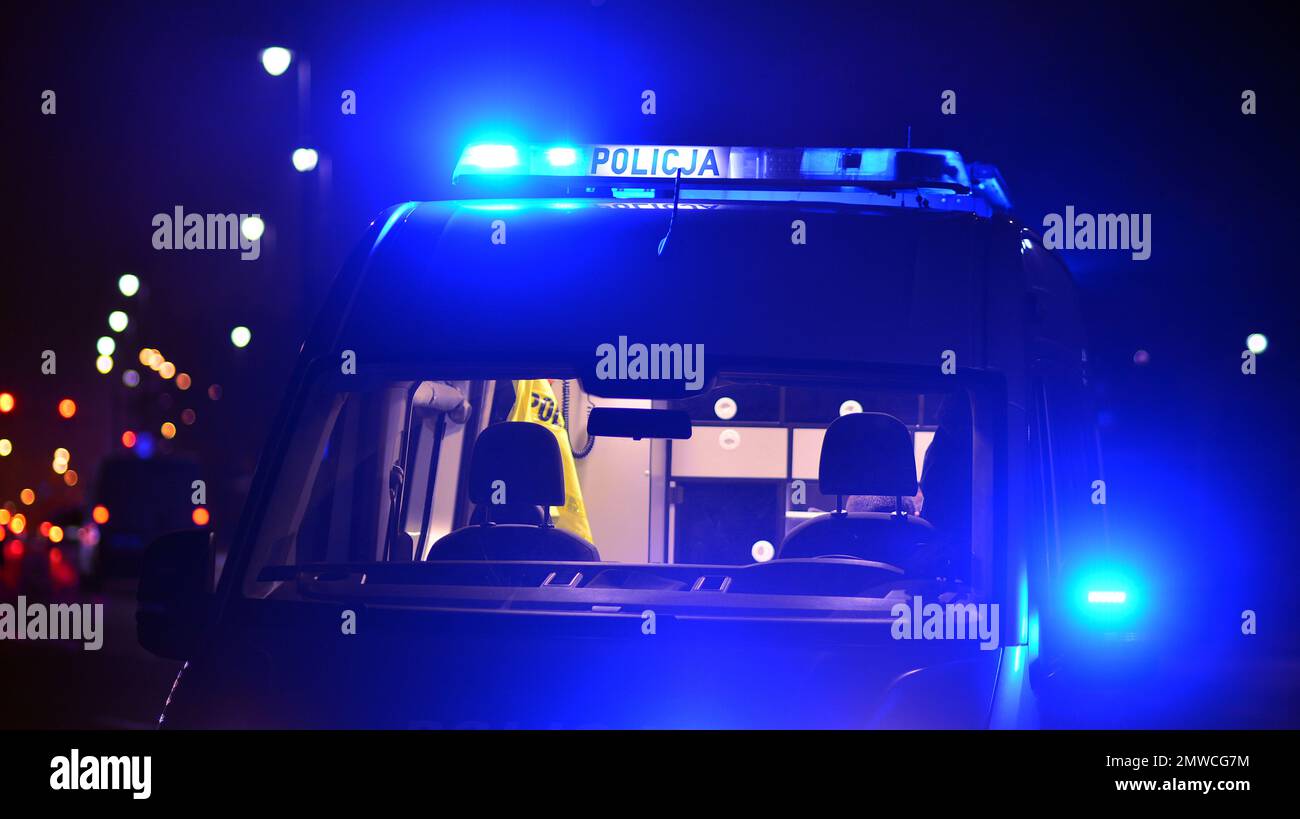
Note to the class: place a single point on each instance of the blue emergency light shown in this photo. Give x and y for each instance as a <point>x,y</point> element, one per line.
<point>823,174</point>
<point>1107,597</point>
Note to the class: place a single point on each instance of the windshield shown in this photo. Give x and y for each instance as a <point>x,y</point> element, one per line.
<point>413,482</point>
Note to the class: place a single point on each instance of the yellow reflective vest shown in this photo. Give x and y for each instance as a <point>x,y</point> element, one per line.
<point>535,402</point>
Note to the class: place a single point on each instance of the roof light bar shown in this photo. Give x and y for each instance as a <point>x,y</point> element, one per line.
<point>843,175</point>
<point>919,167</point>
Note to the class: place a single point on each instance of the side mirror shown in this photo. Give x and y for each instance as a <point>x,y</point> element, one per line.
<point>175,593</point>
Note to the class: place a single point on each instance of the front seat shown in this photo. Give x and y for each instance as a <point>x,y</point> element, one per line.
<point>525,458</point>
<point>864,453</point>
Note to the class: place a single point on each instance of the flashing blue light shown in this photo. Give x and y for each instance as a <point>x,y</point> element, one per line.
<point>144,445</point>
<point>562,157</point>
<point>492,157</point>
<point>633,193</point>
<point>1107,597</point>
<point>494,206</point>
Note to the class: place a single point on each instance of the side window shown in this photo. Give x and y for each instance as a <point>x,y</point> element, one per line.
<point>1070,497</point>
<point>347,507</point>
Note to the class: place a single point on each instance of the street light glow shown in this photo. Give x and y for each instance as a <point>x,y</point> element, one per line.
<point>252,227</point>
<point>276,60</point>
<point>304,159</point>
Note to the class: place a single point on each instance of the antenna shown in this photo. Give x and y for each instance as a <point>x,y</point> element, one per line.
<point>909,136</point>
<point>677,190</point>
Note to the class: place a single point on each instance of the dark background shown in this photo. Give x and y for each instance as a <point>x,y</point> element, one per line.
<point>1108,107</point>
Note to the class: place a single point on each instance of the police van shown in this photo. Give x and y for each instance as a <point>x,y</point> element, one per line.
<point>673,436</point>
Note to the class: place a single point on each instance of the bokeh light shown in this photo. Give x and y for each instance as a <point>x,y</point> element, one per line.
<point>252,228</point>
<point>27,496</point>
<point>99,514</point>
<point>117,321</point>
<point>128,439</point>
<point>130,378</point>
<point>18,523</point>
<point>187,416</point>
<point>128,284</point>
<point>6,446</point>
<point>200,516</point>
<point>214,392</point>
<point>182,381</point>
<point>67,408</point>
<point>105,345</point>
<point>276,60</point>
<point>304,159</point>
<point>55,534</point>
<point>6,402</point>
<point>1257,343</point>
<point>241,336</point>
<point>167,369</point>
<point>144,445</point>
<point>168,430</point>
<point>104,364</point>
<point>70,477</point>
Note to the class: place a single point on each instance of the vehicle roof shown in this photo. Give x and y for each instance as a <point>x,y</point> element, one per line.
<point>890,285</point>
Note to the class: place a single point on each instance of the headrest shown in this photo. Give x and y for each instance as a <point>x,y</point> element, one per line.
<point>867,453</point>
<point>526,457</point>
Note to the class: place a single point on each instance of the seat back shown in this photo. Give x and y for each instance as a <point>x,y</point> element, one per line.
<point>866,453</point>
<point>516,475</point>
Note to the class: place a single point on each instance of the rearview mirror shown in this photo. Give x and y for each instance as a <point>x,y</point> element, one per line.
<point>175,593</point>
<point>627,422</point>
